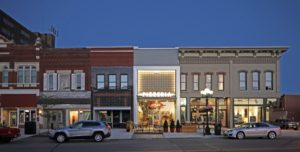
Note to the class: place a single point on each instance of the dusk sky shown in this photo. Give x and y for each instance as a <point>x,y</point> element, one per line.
<point>170,23</point>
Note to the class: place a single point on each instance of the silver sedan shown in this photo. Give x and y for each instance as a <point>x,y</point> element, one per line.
<point>254,130</point>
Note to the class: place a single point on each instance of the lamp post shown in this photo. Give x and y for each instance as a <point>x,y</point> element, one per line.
<point>92,103</point>
<point>207,93</point>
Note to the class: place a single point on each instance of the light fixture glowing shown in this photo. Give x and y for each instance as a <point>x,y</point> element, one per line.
<point>157,94</point>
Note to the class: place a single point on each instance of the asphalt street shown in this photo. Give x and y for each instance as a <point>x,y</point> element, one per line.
<point>38,144</point>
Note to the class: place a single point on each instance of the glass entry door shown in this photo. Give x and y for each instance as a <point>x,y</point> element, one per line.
<point>13,119</point>
<point>116,118</point>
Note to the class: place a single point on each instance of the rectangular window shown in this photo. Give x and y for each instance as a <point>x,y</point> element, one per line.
<point>5,76</point>
<point>27,74</point>
<point>183,82</point>
<point>208,81</point>
<point>124,82</point>
<point>78,81</point>
<point>100,81</point>
<point>196,82</point>
<point>269,80</point>
<point>33,74</point>
<point>221,82</point>
<point>50,81</point>
<point>243,81</point>
<point>112,82</point>
<point>20,74</point>
<point>255,81</point>
<point>64,81</point>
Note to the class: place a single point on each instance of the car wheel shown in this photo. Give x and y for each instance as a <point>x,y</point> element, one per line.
<point>240,135</point>
<point>272,135</point>
<point>98,137</point>
<point>60,138</point>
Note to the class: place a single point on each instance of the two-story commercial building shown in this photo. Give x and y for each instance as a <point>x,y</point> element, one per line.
<point>156,82</point>
<point>65,91</point>
<point>19,85</point>
<point>245,82</point>
<point>111,79</point>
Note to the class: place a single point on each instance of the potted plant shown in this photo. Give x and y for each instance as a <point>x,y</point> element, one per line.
<point>166,125</point>
<point>172,126</point>
<point>129,126</point>
<point>178,126</point>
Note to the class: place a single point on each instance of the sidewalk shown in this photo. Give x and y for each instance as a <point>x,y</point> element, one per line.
<point>198,134</point>
<point>120,134</point>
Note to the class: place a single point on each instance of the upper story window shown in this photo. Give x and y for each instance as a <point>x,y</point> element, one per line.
<point>208,81</point>
<point>183,85</point>
<point>112,82</point>
<point>100,81</point>
<point>221,82</point>
<point>78,81</point>
<point>243,81</point>
<point>124,81</point>
<point>5,76</point>
<point>27,74</point>
<point>195,82</point>
<point>50,81</point>
<point>64,82</point>
<point>269,80</point>
<point>61,81</point>
<point>255,80</point>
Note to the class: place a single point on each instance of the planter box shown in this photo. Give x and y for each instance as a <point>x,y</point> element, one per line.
<point>189,128</point>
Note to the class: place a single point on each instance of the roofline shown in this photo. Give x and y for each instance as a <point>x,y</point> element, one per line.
<point>169,48</point>
<point>237,47</point>
<point>109,47</point>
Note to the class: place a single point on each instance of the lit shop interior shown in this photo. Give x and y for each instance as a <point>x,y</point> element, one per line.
<point>218,113</point>
<point>156,97</point>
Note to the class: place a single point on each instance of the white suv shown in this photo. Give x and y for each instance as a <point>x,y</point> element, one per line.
<point>96,130</point>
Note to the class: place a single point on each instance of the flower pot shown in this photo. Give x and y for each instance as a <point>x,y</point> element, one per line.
<point>178,129</point>
<point>166,130</point>
<point>172,129</point>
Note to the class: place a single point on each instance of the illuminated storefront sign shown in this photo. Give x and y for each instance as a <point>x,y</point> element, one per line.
<point>157,94</point>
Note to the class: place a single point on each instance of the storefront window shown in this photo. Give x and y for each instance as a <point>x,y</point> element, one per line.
<point>247,110</point>
<point>85,115</point>
<point>183,109</point>
<point>153,112</point>
<point>13,118</point>
<point>33,115</point>
<point>198,113</point>
<point>21,117</point>
<point>73,117</point>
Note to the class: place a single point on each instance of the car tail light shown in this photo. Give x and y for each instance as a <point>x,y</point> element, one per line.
<point>108,126</point>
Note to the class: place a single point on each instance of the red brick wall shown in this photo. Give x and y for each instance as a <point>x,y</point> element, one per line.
<point>18,100</point>
<point>292,106</point>
<point>65,59</point>
<point>111,56</point>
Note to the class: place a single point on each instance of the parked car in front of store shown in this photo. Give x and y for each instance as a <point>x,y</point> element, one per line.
<point>7,133</point>
<point>88,129</point>
<point>249,130</point>
<point>287,124</point>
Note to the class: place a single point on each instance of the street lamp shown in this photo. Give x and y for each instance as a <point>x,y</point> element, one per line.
<point>207,93</point>
<point>92,102</point>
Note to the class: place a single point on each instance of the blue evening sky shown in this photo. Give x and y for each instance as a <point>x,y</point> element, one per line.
<point>170,23</point>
